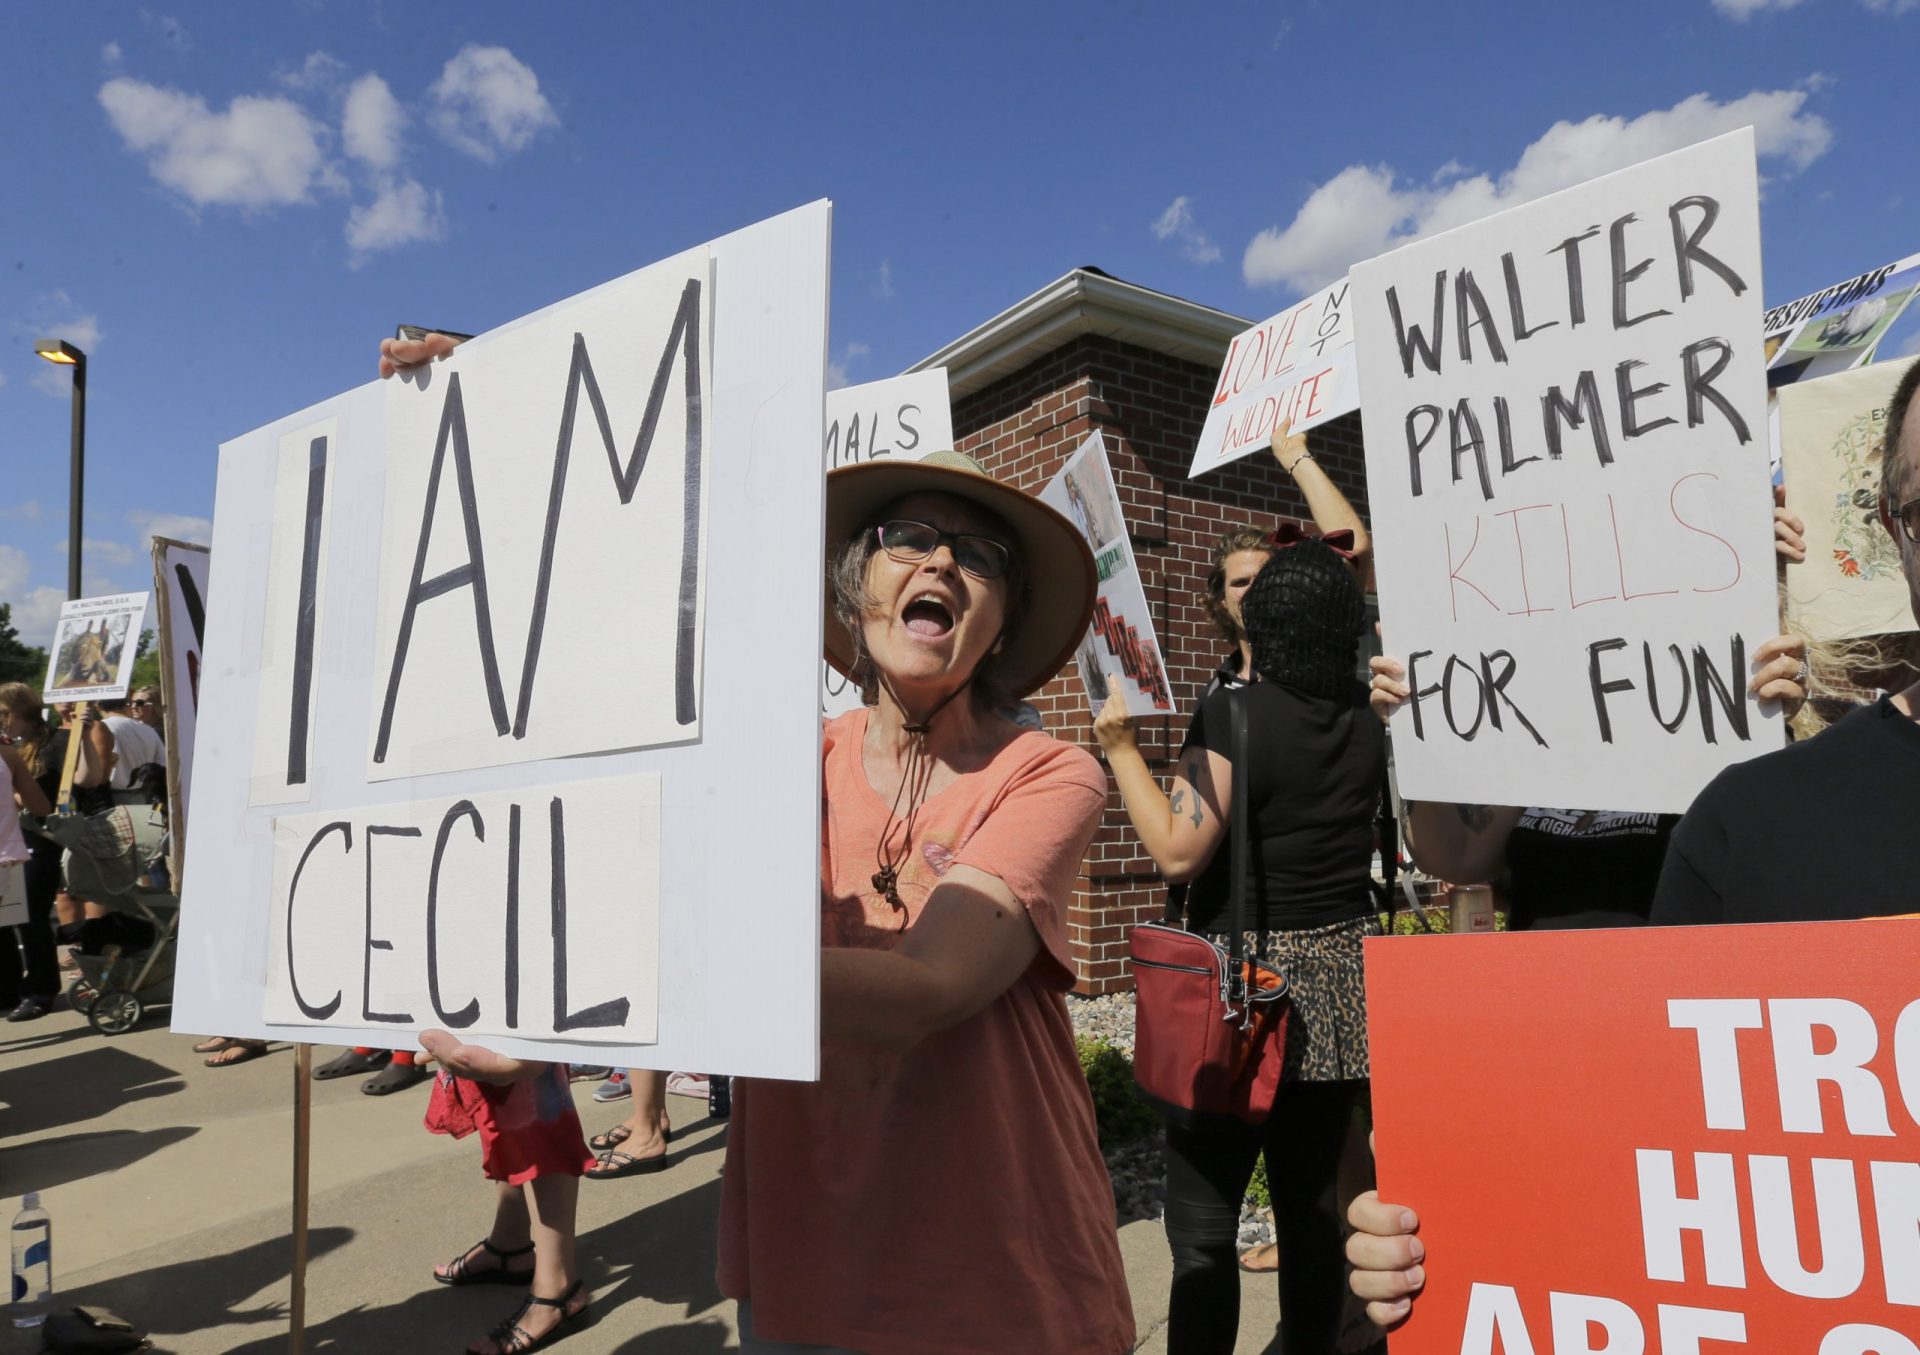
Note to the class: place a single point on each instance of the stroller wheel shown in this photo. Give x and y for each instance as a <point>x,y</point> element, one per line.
<point>80,994</point>
<point>115,1012</point>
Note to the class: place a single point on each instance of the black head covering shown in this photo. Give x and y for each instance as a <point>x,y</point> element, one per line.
<point>1302,614</point>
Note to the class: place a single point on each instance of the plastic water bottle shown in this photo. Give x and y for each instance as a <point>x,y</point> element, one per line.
<point>32,1262</point>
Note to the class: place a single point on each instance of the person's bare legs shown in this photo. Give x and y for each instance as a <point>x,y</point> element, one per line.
<point>647,1122</point>
<point>547,1207</point>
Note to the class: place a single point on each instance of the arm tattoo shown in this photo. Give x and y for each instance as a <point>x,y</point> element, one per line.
<point>1476,817</point>
<point>1174,804</point>
<point>1192,774</point>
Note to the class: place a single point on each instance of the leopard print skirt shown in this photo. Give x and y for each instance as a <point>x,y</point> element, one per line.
<point>1327,1026</point>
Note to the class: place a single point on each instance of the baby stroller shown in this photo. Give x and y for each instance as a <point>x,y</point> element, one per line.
<point>126,958</point>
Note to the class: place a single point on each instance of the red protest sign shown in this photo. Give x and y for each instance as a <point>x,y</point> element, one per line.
<point>1658,1141</point>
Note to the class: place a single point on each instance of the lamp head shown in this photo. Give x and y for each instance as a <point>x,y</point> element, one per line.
<point>59,351</point>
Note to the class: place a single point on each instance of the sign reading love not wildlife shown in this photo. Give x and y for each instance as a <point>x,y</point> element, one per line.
<point>1567,474</point>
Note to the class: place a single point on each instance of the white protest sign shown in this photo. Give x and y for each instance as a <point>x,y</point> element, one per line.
<point>94,643</point>
<point>1567,471</point>
<point>1836,329</point>
<point>572,881</point>
<point>1297,365</point>
<point>906,416</point>
<point>180,588</point>
<point>1832,433</point>
<point>1120,647</point>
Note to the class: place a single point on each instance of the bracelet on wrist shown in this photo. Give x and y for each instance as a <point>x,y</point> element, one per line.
<point>1304,456</point>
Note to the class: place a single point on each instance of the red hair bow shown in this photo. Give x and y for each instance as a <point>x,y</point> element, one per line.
<point>1292,534</point>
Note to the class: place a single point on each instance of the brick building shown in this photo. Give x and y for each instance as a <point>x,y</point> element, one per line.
<point>1092,352</point>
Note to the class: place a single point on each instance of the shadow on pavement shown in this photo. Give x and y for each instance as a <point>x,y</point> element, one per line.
<point>74,1157</point>
<point>42,1038</point>
<point>74,1088</point>
<point>193,1296</point>
<point>663,1254</point>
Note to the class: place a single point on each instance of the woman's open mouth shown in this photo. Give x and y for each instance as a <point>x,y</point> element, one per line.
<point>928,617</point>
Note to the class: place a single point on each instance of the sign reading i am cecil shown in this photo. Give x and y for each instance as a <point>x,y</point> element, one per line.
<point>504,700</point>
<point>1567,471</point>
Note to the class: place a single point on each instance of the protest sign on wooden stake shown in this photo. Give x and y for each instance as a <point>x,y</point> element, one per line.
<point>528,713</point>
<point>180,587</point>
<point>94,643</point>
<point>1659,1140</point>
<point>1567,475</point>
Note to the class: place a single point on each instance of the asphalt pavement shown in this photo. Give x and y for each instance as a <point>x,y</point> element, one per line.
<point>171,1186</point>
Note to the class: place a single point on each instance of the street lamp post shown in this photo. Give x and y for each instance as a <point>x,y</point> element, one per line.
<point>64,354</point>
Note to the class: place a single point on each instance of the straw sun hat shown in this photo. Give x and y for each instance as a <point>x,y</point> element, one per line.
<point>1057,563</point>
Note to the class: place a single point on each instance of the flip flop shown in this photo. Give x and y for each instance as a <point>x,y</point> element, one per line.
<point>213,1045</point>
<point>616,1164</point>
<point>1261,1259</point>
<point>237,1051</point>
<point>394,1077</point>
<point>613,1138</point>
<point>351,1064</point>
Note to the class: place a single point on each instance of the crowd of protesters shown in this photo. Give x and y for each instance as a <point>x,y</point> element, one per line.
<point>941,1188</point>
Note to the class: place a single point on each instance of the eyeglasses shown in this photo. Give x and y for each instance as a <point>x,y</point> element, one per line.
<point>911,542</point>
<point>138,705</point>
<point>1908,516</point>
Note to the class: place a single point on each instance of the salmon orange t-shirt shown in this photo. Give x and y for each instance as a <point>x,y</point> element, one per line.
<point>950,1198</point>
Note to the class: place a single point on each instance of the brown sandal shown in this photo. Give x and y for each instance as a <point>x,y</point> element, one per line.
<point>613,1138</point>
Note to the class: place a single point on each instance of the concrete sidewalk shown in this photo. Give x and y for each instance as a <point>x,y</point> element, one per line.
<point>170,1187</point>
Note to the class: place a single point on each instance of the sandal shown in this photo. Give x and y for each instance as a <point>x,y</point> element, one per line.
<point>615,1164</point>
<point>512,1339</point>
<point>460,1269</point>
<point>212,1046</point>
<point>613,1138</point>
<point>236,1051</point>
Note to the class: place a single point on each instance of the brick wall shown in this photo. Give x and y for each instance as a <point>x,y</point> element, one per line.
<point>1149,408</point>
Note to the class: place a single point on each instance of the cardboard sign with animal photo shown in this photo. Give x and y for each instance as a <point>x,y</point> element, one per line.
<point>94,644</point>
<point>1120,646</point>
<point>1838,328</point>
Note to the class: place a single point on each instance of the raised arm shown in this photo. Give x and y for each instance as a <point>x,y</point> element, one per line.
<point>1181,832</point>
<point>1329,507</point>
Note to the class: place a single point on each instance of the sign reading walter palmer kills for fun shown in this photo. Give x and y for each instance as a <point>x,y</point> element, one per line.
<point>1567,469</point>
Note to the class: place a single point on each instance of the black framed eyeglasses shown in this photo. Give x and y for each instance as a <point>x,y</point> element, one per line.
<point>1908,516</point>
<point>911,542</point>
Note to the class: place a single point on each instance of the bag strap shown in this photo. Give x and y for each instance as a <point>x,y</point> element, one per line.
<point>1176,913</point>
<point>1237,830</point>
<point>1389,843</point>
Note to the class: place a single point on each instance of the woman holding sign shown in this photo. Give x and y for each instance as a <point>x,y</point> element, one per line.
<point>1317,764</point>
<point>941,1187</point>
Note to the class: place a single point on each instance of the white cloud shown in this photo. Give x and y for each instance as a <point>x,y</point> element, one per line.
<point>321,70</point>
<point>837,371</point>
<point>1365,210</point>
<point>1892,6</point>
<point>110,54</point>
<point>26,510</point>
<point>261,152</point>
<point>13,570</point>
<point>404,212</point>
<point>174,526</point>
<point>883,282</point>
<point>98,552</point>
<point>1177,224</point>
<point>1746,9</point>
<point>488,102</point>
<point>36,611</point>
<point>371,123</point>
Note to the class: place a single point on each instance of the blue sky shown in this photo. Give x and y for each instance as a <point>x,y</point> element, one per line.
<point>227,205</point>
